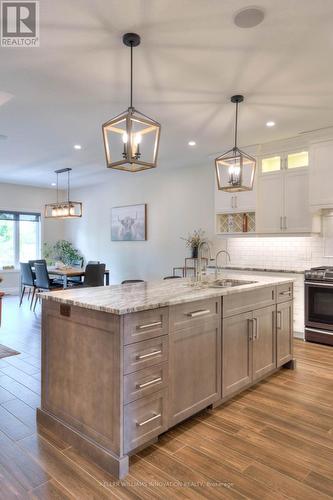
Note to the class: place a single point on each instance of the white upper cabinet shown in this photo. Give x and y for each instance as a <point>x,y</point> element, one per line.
<point>321,175</point>
<point>244,201</point>
<point>283,194</point>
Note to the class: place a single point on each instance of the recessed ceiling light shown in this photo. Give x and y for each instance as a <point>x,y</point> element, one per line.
<point>192,143</point>
<point>249,17</point>
<point>53,184</point>
<point>77,146</point>
<point>270,124</point>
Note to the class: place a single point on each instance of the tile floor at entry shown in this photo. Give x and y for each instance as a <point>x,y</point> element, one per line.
<point>274,441</point>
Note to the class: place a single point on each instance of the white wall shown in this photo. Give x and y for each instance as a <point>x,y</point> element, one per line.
<point>26,198</point>
<point>178,201</point>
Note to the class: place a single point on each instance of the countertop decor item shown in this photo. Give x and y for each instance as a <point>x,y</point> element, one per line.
<point>63,209</point>
<point>129,223</point>
<point>193,241</point>
<point>235,169</point>
<point>131,139</point>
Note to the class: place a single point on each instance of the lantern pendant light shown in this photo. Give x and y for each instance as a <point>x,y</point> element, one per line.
<point>235,169</point>
<point>131,139</point>
<point>63,209</point>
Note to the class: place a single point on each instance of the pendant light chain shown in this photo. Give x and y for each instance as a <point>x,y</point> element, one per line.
<point>57,188</point>
<point>131,105</point>
<point>236,125</point>
<point>68,186</point>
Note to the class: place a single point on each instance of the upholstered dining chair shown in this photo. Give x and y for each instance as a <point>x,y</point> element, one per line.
<point>43,282</point>
<point>27,282</point>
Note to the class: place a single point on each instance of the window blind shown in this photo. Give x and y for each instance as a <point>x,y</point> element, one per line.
<point>19,216</point>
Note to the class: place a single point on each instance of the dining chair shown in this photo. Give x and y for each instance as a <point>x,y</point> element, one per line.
<point>76,279</point>
<point>131,281</point>
<point>43,281</point>
<point>94,275</point>
<point>27,282</point>
<point>171,277</point>
<point>93,262</point>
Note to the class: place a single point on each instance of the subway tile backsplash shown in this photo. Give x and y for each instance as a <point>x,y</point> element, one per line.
<point>293,253</point>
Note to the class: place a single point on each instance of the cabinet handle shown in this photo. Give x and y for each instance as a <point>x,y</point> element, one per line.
<point>236,204</point>
<point>285,223</point>
<point>151,419</point>
<point>288,292</point>
<point>278,320</point>
<point>147,384</point>
<point>149,325</point>
<point>202,312</point>
<point>149,355</point>
<point>281,228</point>
<point>232,202</point>
<point>256,334</point>
<point>250,328</point>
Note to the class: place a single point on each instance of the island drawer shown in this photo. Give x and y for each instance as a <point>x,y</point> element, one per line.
<point>145,325</point>
<point>145,382</point>
<point>144,419</point>
<point>284,292</point>
<point>237,303</point>
<point>194,313</point>
<point>144,354</point>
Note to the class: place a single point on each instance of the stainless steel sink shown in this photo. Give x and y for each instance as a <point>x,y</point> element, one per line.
<point>225,282</point>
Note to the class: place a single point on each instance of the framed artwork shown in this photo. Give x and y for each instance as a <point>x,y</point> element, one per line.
<point>129,223</point>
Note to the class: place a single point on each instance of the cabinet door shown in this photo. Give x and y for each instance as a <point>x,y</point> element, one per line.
<point>321,174</point>
<point>195,369</point>
<point>284,332</point>
<point>296,202</point>
<point>264,345</point>
<point>224,202</point>
<point>236,353</point>
<point>246,201</point>
<point>270,203</point>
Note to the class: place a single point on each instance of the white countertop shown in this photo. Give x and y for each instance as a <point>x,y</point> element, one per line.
<point>128,298</point>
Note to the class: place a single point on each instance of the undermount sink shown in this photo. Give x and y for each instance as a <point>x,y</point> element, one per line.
<point>225,282</point>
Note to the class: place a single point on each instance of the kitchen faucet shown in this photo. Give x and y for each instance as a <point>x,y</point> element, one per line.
<point>216,259</point>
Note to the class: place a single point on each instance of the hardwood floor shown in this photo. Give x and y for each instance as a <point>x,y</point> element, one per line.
<point>274,441</point>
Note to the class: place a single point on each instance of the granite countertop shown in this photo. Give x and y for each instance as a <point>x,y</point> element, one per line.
<point>260,269</point>
<point>128,298</point>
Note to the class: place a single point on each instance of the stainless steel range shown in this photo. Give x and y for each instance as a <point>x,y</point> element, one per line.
<point>319,305</point>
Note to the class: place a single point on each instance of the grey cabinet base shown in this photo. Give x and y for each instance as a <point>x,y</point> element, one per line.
<point>117,466</point>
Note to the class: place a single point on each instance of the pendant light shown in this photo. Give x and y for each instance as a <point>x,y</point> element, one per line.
<point>63,209</point>
<point>131,139</point>
<point>235,169</point>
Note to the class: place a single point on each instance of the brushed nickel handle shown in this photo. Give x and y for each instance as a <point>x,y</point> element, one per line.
<point>149,325</point>
<point>256,334</point>
<point>149,355</point>
<point>195,314</point>
<point>281,227</point>
<point>278,320</point>
<point>250,329</point>
<point>285,293</point>
<point>151,382</point>
<point>285,223</point>
<point>151,419</point>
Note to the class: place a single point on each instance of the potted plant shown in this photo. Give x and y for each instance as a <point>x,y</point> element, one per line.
<point>63,251</point>
<point>194,240</point>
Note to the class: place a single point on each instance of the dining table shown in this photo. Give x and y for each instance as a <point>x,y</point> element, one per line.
<point>72,272</point>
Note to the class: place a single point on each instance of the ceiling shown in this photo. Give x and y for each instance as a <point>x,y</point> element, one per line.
<point>191,60</point>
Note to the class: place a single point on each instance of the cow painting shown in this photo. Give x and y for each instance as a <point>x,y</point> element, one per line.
<point>128,223</point>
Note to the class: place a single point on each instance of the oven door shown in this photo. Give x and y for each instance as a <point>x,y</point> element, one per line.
<point>319,305</point>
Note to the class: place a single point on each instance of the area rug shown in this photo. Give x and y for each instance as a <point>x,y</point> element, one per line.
<point>5,352</point>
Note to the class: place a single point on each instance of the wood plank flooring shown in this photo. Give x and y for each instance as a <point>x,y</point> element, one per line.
<point>274,441</point>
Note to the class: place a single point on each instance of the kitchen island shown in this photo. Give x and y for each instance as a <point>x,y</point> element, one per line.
<point>122,364</point>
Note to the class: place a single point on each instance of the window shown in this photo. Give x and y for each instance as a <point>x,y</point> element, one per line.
<point>272,164</point>
<point>19,237</point>
<point>298,160</point>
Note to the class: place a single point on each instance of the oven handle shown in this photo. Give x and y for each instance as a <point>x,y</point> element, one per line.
<point>318,284</point>
<point>316,330</point>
